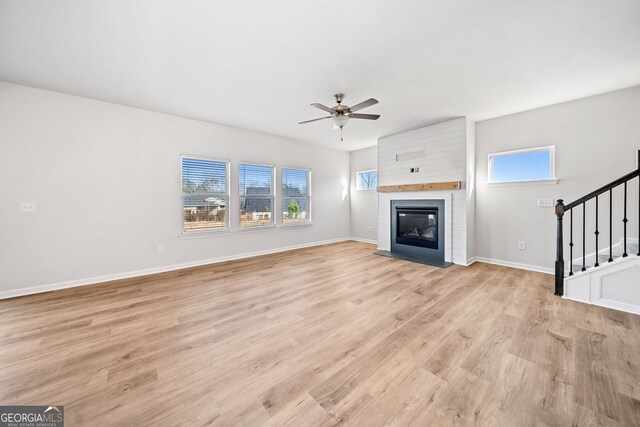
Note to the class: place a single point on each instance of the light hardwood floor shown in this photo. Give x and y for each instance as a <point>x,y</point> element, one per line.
<point>322,336</point>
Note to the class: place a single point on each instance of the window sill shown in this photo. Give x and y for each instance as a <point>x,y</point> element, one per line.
<point>208,233</point>
<point>302,224</point>
<point>257,228</point>
<point>519,183</point>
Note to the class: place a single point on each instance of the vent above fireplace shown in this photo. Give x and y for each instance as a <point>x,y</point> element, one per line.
<point>410,156</point>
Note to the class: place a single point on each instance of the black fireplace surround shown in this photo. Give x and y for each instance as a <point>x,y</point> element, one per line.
<point>417,230</point>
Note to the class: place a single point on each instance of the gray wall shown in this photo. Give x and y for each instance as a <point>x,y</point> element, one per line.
<point>106,180</point>
<point>596,141</point>
<point>364,204</point>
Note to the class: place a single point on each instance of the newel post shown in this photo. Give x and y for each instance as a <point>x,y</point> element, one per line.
<point>559,251</point>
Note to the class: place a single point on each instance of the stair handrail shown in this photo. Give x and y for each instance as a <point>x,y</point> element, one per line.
<point>602,189</point>
<point>561,209</point>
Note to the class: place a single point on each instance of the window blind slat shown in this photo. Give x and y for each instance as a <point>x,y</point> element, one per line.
<point>204,176</point>
<point>295,182</point>
<point>255,179</point>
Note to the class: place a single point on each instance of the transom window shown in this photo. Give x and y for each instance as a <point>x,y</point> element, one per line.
<point>532,164</point>
<point>256,195</point>
<point>367,180</point>
<point>205,194</point>
<point>296,196</point>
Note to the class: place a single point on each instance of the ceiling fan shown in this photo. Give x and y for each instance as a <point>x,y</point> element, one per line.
<point>340,114</point>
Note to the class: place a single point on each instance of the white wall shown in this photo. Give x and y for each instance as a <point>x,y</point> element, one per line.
<point>364,204</point>
<point>106,180</point>
<point>596,141</point>
<point>445,145</point>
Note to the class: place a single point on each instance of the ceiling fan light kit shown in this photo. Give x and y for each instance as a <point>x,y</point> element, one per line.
<point>341,120</point>
<point>340,114</point>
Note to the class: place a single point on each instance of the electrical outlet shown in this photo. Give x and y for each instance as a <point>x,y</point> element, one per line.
<point>160,249</point>
<point>545,203</point>
<point>369,229</point>
<point>522,246</point>
<point>27,207</point>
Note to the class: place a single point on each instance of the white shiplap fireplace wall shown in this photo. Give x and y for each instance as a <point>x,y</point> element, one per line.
<point>449,155</point>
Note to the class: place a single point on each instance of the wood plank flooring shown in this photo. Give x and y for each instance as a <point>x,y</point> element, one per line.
<point>331,335</point>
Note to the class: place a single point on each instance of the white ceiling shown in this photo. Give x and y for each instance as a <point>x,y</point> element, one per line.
<point>258,64</point>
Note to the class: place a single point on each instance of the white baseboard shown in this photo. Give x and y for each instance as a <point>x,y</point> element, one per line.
<point>147,271</point>
<point>358,239</point>
<point>503,263</point>
<point>616,305</point>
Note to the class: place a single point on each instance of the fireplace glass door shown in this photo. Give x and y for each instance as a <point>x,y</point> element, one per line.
<point>417,227</point>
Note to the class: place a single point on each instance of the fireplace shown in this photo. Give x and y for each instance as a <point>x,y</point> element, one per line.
<point>417,230</point>
<point>417,227</point>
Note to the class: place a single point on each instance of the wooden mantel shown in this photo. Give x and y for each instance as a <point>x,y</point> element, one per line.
<point>429,186</point>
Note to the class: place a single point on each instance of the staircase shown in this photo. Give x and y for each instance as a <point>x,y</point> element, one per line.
<point>610,275</point>
<point>603,258</point>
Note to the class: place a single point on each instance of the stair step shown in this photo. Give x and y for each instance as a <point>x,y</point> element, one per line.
<point>578,267</point>
<point>602,260</point>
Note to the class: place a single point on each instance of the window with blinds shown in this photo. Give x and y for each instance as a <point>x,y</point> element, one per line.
<point>205,194</point>
<point>296,196</point>
<point>256,183</point>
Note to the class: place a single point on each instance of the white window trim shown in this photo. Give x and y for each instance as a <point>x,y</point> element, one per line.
<point>357,180</point>
<point>309,196</point>
<point>552,160</point>
<point>214,231</point>
<point>273,199</point>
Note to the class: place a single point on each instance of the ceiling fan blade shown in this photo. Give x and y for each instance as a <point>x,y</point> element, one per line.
<point>364,104</point>
<point>323,107</point>
<point>365,116</point>
<point>314,120</point>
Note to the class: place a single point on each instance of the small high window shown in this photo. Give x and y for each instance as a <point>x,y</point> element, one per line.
<point>367,180</point>
<point>532,164</point>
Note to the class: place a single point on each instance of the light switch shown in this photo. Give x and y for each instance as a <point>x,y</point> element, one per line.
<point>27,207</point>
<point>545,203</point>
